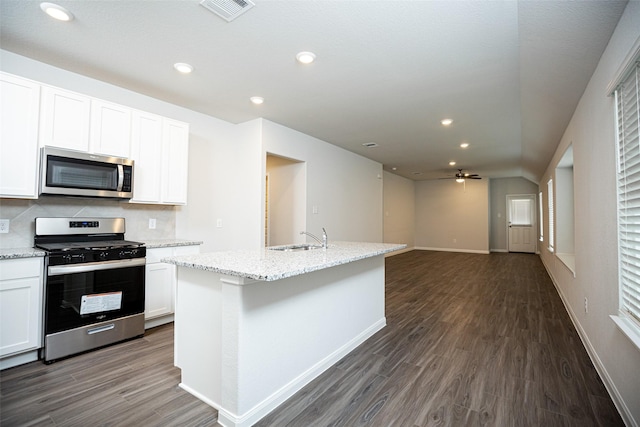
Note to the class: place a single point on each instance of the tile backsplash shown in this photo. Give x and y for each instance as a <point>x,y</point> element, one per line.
<point>22,213</point>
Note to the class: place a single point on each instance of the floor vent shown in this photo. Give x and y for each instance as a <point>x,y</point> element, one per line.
<point>228,9</point>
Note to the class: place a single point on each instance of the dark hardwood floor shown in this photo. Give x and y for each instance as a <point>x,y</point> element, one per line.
<point>470,340</point>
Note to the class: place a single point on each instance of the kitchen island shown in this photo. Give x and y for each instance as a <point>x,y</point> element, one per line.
<point>253,327</point>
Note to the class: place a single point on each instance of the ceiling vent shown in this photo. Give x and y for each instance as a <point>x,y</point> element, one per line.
<point>228,9</point>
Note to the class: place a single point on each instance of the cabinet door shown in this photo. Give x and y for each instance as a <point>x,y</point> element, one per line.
<point>19,112</point>
<point>146,152</point>
<point>20,305</point>
<point>110,129</point>
<point>64,119</point>
<point>175,136</point>
<point>159,288</point>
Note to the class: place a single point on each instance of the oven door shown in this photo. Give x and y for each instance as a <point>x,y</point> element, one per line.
<point>84,294</point>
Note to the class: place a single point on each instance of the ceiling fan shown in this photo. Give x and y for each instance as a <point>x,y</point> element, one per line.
<point>462,176</point>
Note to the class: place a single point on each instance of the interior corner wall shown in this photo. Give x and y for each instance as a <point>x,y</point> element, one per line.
<point>592,130</point>
<point>499,189</point>
<point>224,186</point>
<point>344,190</point>
<point>451,216</point>
<point>399,210</point>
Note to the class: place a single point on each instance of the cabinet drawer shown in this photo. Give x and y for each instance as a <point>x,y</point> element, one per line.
<point>20,268</point>
<point>186,250</point>
<point>156,254</point>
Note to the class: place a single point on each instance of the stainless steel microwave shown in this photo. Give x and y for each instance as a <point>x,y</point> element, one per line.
<point>75,173</point>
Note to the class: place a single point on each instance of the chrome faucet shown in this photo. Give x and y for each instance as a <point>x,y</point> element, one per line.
<point>324,241</point>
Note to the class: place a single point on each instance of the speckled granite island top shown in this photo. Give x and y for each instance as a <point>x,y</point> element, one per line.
<point>269,265</point>
<point>169,243</point>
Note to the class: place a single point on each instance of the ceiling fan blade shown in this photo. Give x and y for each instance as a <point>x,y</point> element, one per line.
<point>473,177</point>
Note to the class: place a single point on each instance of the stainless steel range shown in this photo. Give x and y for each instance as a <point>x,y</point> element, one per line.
<point>94,290</point>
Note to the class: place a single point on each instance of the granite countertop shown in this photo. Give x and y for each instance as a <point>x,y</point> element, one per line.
<point>169,243</point>
<point>269,265</point>
<point>13,253</point>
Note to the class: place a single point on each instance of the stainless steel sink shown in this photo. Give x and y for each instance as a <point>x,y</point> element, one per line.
<point>295,248</point>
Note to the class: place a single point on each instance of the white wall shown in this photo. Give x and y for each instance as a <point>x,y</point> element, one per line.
<point>345,188</point>
<point>224,184</point>
<point>451,216</point>
<point>592,131</point>
<point>399,210</point>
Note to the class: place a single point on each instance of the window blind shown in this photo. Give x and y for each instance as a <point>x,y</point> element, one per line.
<point>540,215</point>
<point>550,204</point>
<point>628,145</point>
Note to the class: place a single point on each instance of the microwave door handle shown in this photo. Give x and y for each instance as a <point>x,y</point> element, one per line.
<point>120,177</point>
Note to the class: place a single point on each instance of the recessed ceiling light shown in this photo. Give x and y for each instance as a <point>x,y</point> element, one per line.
<point>56,12</point>
<point>452,163</point>
<point>446,122</point>
<point>183,67</point>
<point>257,100</point>
<point>464,145</point>
<point>394,168</point>
<point>306,57</point>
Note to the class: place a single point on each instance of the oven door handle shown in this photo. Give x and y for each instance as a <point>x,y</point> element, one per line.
<point>58,270</point>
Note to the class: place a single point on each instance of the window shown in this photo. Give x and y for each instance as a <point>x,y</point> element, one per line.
<point>628,146</point>
<point>540,216</point>
<point>550,204</point>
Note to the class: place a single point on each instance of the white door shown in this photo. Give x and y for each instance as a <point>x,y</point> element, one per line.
<point>522,223</point>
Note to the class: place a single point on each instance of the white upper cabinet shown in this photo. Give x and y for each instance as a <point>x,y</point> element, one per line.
<point>34,115</point>
<point>19,112</point>
<point>160,151</point>
<point>175,144</point>
<point>64,119</point>
<point>78,122</point>
<point>110,129</point>
<point>146,152</point>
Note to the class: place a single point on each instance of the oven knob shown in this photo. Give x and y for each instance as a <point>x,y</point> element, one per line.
<point>103,255</point>
<point>67,258</point>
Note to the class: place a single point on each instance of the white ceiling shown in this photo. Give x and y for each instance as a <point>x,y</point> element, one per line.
<point>509,73</point>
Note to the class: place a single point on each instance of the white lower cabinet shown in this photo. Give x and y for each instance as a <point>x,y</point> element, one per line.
<point>21,285</point>
<point>160,284</point>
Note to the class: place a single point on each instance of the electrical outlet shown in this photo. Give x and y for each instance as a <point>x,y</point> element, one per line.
<point>586,305</point>
<point>152,223</point>
<point>219,223</point>
<point>4,225</point>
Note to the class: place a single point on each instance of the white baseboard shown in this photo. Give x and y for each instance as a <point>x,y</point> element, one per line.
<point>468,251</point>
<point>18,359</point>
<point>158,321</point>
<point>624,411</point>
<point>401,251</point>
<point>228,419</point>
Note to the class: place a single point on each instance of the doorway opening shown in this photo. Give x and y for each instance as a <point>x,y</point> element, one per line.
<point>285,200</point>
